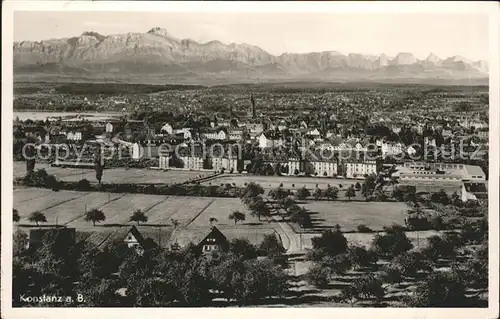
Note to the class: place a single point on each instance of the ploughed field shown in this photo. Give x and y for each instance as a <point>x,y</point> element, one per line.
<point>192,213</point>
<point>69,207</point>
<point>114,175</point>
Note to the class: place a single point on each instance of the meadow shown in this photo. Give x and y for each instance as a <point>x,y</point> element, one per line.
<point>114,175</point>
<point>69,207</point>
<point>349,215</point>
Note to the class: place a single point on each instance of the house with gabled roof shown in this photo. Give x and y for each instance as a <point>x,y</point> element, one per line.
<point>134,237</point>
<point>213,241</point>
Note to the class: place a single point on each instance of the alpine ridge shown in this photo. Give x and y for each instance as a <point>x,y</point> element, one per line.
<point>159,55</point>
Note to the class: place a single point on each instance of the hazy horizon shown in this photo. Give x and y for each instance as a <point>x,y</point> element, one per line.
<point>443,34</point>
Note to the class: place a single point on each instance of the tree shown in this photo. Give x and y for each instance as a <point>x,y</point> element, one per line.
<point>391,273</point>
<point>330,242</point>
<point>138,216</point>
<point>99,169</point>
<point>398,194</point>
<point>318,193</point>
<point>349,294</point>
<point>331,193</point>
<point>455,199</point>
<point>357,186</point>
<point>302,193</point>
<point>37,217</point>
<point>30,155</point>
<point>237,216</point>
<point>261,280</point>
<point>258,207</point>
<point>368,186</point>
<point>278,193</point>
<point>369,286</point>
<point>438,247</point>
<point>271,246</point>
<point>440,197</point>
<point>350,192</point>
<point>243,248</point>
<point>19,242</point>
<point>300,216</point>
<point>393,243</point>
<point>410,263</point>
<point>15,216</point>
<point>287,203</point>
<point>317,275</point>
<point>212,220</point>
<point>337,264</point>
<point>380,195</point>
<point>227,276</point>
<point>94,215</point>
<point>359,256</point>
<point>441,289</point>
<point>251,190</point>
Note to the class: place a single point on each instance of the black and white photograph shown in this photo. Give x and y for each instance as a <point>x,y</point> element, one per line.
<point>219,155</point>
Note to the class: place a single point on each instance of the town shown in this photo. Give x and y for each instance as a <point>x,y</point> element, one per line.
<point>348,194</point>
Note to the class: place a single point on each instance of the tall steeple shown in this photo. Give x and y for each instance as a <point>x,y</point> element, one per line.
<point>254,115</point>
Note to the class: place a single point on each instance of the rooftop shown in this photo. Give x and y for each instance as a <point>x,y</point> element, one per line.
<point>476,187</point>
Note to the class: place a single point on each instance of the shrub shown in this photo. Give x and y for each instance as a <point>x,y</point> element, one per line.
<point>441,289</point>
<point>393,243</point>
<point>369,286</point>
<point>437,223</point>
<point>317,275</point>
<point>391,274</point>
<point>331,242</point>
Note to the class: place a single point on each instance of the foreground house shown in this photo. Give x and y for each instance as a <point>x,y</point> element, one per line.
<point>214,241</point>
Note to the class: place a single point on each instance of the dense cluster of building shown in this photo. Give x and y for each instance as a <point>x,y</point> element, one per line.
<point>355,127</point>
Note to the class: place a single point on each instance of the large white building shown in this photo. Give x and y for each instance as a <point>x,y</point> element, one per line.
<point>192,162</point>
<point>438,175</point>
<point>325,168</point>
<point>265,142</point>
<point>109,127</point>
<point>358,169</point>
<point>226,163</point>
<point>74,136</point>
<point>390,149</point>
<point>293,166</point>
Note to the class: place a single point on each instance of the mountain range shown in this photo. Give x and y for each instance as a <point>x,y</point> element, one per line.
<point>160,57</point>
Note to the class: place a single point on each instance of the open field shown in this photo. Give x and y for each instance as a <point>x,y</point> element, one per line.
<point>193,213</point>
<point>69,207</point>
<point>289,182</point>
<point>114,175</point>
<point>183,209</point>
<point>220,209</point>
<point>119,211</point>
<point>375,215</point>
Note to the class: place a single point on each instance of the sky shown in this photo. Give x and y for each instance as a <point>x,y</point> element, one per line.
<point>444,34</point>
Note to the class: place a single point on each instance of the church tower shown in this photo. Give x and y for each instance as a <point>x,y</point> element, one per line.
<point>254,115</point>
